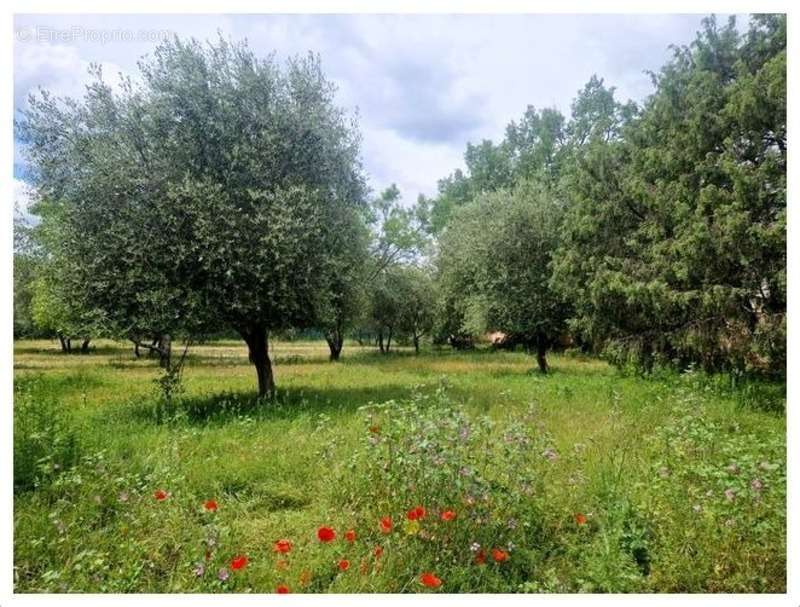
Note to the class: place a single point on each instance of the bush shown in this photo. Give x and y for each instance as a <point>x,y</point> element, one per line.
<point>44,443</point>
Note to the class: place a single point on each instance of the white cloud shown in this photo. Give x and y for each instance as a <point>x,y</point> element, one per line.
<point>425,85</point>
<point>23,199</point>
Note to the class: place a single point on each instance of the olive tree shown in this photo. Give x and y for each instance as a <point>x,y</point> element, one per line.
<point>207,194</point>
<point>495,267</point>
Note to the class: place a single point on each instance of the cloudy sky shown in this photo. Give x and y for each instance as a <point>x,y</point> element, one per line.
<point>424,85</point>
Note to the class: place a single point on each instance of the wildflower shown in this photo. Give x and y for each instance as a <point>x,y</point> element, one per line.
<point>239,562</point>
<point>550,454</point>
<point>730,494</point>
<point>350,535</point>
<point>305,577</point>
<point>123,496</point>
<point>411,527</point>
<point>430,580</point>
<point>210,506</point>
<point>756,484</point>
<point>378,552</point>
<point>580,519</point>
<point>282,546</point>
<point>282,589</point>
<point>475,546</point>
<point>697,508</point>
<point>326,534</point>
<point>499,555</point>
<point>223,574</point>
<point>733,468</point>
<point>512,523</point>
<point>282,565</point>
<point>386,524</point>
<point>344,565</point>
<point>480,557</point>
<point>375,429</point>
<point>663,472</point>
<point>448,515</point>
<point>199,569</point>
<point>160,495</point>
<point>416,513</point>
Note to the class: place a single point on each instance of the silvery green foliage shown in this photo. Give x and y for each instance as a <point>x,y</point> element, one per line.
<point>211,191</point>
<point>495,266</point>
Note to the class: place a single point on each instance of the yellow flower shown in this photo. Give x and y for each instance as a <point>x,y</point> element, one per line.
<point>411,527</point>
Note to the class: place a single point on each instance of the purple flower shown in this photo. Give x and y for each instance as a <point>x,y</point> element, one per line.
<point>199,569</point>
<point>756,484</point>
<point>733,468</point>
<point>730,494</point>
<point>223,574</point>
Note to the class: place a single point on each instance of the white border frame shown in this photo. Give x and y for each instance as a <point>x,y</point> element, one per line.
<point>791,598</point>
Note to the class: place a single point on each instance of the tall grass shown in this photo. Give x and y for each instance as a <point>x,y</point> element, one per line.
<point>586,479</point>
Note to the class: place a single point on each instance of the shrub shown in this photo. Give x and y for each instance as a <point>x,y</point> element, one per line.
<point>44,443</point>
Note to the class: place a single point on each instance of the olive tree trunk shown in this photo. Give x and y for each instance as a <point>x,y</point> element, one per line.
<point>257,340</point>
<point>335,341</point>
<point>165,351</point>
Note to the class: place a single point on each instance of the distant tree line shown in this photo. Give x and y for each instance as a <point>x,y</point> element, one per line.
<point>223,192</point>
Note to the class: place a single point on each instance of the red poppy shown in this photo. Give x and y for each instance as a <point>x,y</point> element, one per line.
<point>282,589</point>
<point>386,524</point>
<point>239,562</point>
<point>378,552</point>
<point>160,495</point>
<point>283,546</point>
<point>350,535</point>
<point>344,565</point>
<point>499,555</point>
<point>416,514</point>
<point>580,519</point>
<point>430,580</point>
<point>480,557</point>
<point>326,534</point>
<point>210,505</point>
<point>448,515</point>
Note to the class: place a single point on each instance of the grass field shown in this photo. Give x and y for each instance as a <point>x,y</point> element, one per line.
<point>583,480</point>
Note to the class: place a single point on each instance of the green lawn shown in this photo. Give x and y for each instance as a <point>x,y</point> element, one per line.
<point>583,480</point>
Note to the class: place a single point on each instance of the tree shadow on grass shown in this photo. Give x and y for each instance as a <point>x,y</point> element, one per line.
<point>289,403</point>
